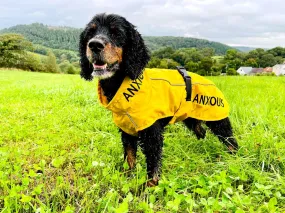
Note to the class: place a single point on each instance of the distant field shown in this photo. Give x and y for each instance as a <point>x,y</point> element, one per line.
<point>60,152</point>
<point>218,58</point>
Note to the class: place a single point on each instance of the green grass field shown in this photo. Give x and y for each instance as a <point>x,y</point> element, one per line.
<point>61,152</point>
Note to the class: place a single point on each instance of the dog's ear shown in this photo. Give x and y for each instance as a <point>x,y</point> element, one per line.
<point>135,53</point>
<point>86,66</point>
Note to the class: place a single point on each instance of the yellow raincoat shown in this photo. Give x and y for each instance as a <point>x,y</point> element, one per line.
<point>161,93</point>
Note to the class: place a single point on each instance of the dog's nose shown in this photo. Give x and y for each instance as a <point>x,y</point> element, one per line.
<point>96,45</point>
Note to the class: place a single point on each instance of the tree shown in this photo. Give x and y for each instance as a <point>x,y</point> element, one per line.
<point>32,61</point>
<point>251,62</point>
<point>267,60</point>
<point>12,49</point>
<point>217,69</point>
<point>171,64</point>
<point>253,54</point>
<point>64,66</point>
<point>206,65</point>
<point>277,51</point>
<point>192,66</point>
<point>163,53</point>
<point>163,64</point>
<point>279,60</point>
<point>153,63</point>
<point>202,72</point>
<point>207,52</point>
<point>50,63</point>
<point>179,56</point>
<point>231,54</point>
<point>70,69</point>
<point>196,56</point>
<point>260,52</point>
<point>63,57</point>
<point>76,64</point>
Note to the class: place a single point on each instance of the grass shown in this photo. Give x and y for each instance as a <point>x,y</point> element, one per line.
<point>61,152</point>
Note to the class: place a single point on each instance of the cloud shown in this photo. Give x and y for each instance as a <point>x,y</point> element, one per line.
<point>37,14</point>
<point>244,22</point>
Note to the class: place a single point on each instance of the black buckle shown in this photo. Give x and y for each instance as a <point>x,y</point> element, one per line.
<point>187,80</point>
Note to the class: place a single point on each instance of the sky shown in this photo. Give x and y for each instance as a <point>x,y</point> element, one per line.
<point>256,23</point>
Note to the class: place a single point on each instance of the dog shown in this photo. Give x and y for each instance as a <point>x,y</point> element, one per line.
<point>112,50</point>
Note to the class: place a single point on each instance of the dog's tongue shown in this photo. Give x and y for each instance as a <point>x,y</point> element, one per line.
<point>99,67</point>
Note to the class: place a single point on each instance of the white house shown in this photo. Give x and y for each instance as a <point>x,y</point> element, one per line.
<point>244,70</point>
<point>279,69</point>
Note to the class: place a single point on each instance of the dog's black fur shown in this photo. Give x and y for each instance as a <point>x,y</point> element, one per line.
<point>117,31</point>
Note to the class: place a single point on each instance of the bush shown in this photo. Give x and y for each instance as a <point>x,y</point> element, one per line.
<point>67,68</point>
<point>269,74</point>
<point>76,64</point>
<point>163,64</point>
<point>172,64</point>
<point>70,69</point>
<point>50,63</point>
<point>64,66</point>
<point>33,62</point>
<point>232,71</point>
<point>215,73</point>
<point>265,74</point>
<point>202,72</point>
<point>153,63</point>
<point>192,66</point>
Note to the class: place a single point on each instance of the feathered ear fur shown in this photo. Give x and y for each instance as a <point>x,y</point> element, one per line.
<point>86,66</point>
<point>135,53</point>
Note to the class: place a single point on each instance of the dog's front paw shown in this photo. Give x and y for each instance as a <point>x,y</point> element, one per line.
<point>153,182</point>
<point>232,149</point>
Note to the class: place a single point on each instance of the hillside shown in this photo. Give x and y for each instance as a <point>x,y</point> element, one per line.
<point>67,38</point>
<point>246,49</point>
<point>155,43</point>
<point>52,37</point>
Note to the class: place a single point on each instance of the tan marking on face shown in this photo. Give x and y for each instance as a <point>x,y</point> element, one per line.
<point>112,54</point>
<point>93,25</point>
<point>89,53</point>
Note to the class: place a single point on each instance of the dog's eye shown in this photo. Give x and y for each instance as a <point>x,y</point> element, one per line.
<point>91,32</point>
<point>116,31</point>
<point>113,29</point>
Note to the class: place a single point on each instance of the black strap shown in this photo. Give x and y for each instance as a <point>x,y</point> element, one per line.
<point>187,80</point>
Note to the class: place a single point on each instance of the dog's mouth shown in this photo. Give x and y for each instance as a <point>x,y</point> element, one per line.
<point>99,67</point>
<point>104,70</point>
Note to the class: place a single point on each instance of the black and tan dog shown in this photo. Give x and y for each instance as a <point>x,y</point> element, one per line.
<point>143,102</point>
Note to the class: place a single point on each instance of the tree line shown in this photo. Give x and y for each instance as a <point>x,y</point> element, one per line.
<point>67,38</point>
<point>17,52</point>
<point>158,42</point>
<point>52,37</point>
<point>204,62</point>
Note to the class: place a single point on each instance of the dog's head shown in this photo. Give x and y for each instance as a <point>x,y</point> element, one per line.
<point>111,44</point>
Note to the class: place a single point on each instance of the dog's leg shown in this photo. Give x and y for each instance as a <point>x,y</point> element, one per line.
<point>130,144</point>
<point>195,125</point>
<point>223,130</point>
<point>151,144</point>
